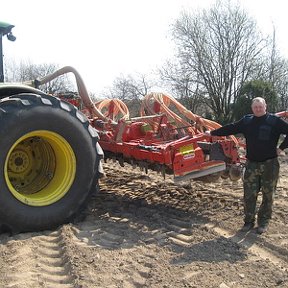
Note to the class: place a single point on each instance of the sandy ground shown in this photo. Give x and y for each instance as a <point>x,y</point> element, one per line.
<point>144,231</point>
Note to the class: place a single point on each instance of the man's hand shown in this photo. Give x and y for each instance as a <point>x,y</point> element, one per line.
<point>280,152</point>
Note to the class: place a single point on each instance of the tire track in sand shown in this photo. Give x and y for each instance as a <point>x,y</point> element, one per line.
<point>38,261</point>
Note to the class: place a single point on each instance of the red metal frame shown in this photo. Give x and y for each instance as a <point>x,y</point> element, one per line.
<point>161,146</point>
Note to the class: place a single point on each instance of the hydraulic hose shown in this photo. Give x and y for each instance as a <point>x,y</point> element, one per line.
<point>83,93</point>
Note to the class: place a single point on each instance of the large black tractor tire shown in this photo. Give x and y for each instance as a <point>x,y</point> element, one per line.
<point>50,162</point>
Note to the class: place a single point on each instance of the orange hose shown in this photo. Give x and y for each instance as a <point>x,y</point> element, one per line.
<point>114,109</point>
<point>283,114</point>
<point>157,103</point>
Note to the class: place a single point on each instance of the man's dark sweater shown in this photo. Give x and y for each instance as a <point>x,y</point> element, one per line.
<point>261,134</point>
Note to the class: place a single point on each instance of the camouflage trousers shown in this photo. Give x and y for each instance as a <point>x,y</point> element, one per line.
<point>260,176</point>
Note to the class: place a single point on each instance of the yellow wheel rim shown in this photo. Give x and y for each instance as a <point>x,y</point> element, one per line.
<point>40,168</point>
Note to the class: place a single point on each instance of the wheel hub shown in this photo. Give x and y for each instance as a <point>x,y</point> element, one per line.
<point>18,161</point>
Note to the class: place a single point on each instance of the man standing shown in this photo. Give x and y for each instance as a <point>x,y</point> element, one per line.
<point>262,131</point>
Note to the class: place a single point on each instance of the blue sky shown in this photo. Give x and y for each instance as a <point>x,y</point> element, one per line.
<point>103,39</point>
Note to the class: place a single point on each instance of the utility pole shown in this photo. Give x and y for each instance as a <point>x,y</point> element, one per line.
<point>5,29</point>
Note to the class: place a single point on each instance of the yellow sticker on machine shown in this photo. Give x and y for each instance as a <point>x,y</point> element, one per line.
<point>187,150</point>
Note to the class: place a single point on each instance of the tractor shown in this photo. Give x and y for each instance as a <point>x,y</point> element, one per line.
<point>50,156</point>
<point>52,150</point>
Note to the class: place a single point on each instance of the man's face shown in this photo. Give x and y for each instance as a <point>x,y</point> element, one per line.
<point>259,109</point>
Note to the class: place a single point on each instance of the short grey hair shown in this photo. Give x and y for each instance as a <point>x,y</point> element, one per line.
<point>259,99</point>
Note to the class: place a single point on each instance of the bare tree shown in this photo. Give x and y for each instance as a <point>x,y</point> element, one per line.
<point>275,71</point>
<point>25,71</point>
<point>280,82</point>
<point>183,85</point>
<point>219,48</point>
<point>129,88</point>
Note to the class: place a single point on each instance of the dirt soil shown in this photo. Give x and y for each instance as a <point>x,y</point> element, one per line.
<point>144,231</point>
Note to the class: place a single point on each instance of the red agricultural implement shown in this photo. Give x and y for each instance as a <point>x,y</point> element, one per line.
<point>166,137</point>
<point>162,141</point>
